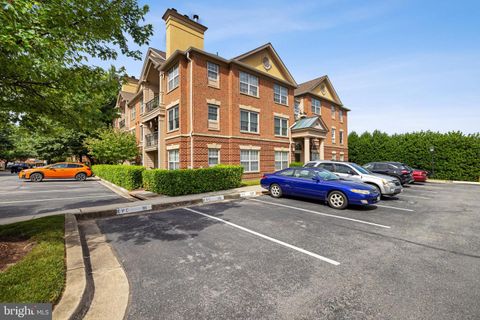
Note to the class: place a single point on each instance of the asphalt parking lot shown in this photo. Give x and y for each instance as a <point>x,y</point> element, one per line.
<point>24,198</point>
<point>413,257</point>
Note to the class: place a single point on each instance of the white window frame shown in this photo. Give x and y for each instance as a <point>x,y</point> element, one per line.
<point>281,160</point>
<point>340,136</point>
<point>333,111</point>
<point>283,126</point>
<point>334,156</point>
<point>171,111</point>
<point>342,156</point>
<point>340,115</point>
<point>173,162</point>
<point>210,105</point>
<point>213,68</point>
<point>333,135</point>
<point>141,133</point>
<point>296,107</point>
<point>316,109</point>
<point>280,94</point>
<point>173,78</point>
<point>211,155</point>
<point>251,82</point>
<point>249,121</point>
<point>142,107</point>
<point>133,113</point>
<point>250,159</point>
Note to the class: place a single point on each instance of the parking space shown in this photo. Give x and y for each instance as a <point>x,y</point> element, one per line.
<point>289,258</point>
<point>24,198</point>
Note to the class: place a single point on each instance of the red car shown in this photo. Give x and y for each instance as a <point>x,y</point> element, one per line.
<point>419,175</point>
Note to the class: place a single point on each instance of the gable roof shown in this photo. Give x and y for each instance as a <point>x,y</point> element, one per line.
<point>154,56</point>
<point>268,46</point>
<point>308,86</point>
<point>314,122</point>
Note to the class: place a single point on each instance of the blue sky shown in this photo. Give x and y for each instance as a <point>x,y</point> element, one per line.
<point>400,66</point>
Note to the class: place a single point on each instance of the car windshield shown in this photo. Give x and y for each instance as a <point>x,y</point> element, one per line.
<point>327,175</point>
<point>360,169</point>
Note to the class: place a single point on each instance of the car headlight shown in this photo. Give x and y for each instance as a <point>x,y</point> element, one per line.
<point>360,191</point>
<point>385,182</point>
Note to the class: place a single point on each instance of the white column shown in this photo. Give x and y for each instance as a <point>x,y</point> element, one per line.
<point>322,151</point>
<point>142,132</point>
<point>306,149</point>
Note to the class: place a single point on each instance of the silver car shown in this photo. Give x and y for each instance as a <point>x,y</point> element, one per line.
<point>386,185</point>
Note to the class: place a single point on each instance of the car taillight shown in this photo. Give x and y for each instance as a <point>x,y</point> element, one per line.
<point>264,176</point>
<point>88,168</point>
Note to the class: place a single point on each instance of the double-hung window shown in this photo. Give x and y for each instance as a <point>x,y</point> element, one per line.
<point>173,78</point>
<point>340,115</point>
<point>333,111</point>
<point>173,159</point>
<point>280,94</point>
<point>248,84</point>
<point>281,126</point>
<point>212,71</point>
<point>133,113</point>
<point>340,136</point>
<point>248,121</point>
<point>142,107</point>
<point>249,160</point>
<point>281,160</point>
<point>213,157</point>
<point>212,112</point>
<point>173,119</point>
<point>316,106</point>
<point>333,135</point>
<point>296,108</point>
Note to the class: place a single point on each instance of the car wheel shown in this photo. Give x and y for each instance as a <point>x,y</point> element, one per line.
<point>337,200</point>
<point>275,190</point>
<point>36,177</point>
<point>378,189</point>
<point>81,176</point>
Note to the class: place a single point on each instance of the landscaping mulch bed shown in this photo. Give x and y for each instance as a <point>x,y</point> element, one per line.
<point>13,250</point>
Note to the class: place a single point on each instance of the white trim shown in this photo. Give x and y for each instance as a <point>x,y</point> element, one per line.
<point>213,101</point>
<point>249,108</point>
<point>335,152</point>
<point>214,146</point>
<point>249,147</point>
<point>228,137</point>
<point>281,115</point>
<point>281,149</point>
<point>172,104</point>
<point>173,147</point>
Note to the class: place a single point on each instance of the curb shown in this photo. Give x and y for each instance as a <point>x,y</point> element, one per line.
<point>112,289</point>
<point>95,213</point>
<point>453,181</point>
<point>118,190</point>
<point>76,281</point>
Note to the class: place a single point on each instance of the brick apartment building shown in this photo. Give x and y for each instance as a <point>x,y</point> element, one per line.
<point>191,109</point>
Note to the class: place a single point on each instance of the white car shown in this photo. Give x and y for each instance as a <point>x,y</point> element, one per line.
<point>386,185</point>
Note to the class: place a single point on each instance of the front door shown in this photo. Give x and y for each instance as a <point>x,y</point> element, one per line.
<point>304,184</point>
<point>56,171</point>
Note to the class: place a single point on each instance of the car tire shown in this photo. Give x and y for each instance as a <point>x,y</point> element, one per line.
<point>36,177</point>
<point>81,176</point>
<point>275,190</point>
<point>378,189</point>
<point>337,200</point>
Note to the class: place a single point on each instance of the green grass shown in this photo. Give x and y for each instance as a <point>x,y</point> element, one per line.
<point>40,275</point>
<point>250,182</point>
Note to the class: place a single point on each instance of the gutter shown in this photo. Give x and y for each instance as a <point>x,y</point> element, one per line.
<point>190,102</point>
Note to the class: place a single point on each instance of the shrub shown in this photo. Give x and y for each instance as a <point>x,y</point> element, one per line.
<point>126,176</point>
<point>296,164</point>
<point>190,181</point>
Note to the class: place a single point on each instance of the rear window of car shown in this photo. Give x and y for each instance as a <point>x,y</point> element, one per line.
<point>310,165</point>
<point>304,174</point>
<point>326,166</point>
<point>341,168</point>
<point>73,165</point>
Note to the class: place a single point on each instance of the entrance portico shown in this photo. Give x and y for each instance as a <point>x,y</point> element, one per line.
<point>308,135</point>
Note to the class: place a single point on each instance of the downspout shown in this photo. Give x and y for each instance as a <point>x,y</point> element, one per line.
<point>191,108</point>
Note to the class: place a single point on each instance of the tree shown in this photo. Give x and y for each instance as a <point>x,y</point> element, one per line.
<point>112,146</point>
<point>44,50</point>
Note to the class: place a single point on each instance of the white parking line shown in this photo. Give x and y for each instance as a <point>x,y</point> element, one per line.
<point>323,214</point>
<point>410,196</point>
<point>389,207</point>
<point>53,199</point>
<point>335,263</point>
<point>39,191</point>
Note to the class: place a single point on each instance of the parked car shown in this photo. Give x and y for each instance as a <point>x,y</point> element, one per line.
<point>319,184</point>
<point>61,170</point>
<point>420,175</point>
<point>385,185</point>
<point>17,167</point>
<point>394,169</point>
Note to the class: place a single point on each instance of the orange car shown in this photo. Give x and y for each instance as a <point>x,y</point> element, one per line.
<point>61,170</point>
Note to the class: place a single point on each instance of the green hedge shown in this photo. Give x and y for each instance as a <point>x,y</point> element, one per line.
<point>456,156</point>
<point>190,181</point>
<point>126,176</point>
<point>296,164</point>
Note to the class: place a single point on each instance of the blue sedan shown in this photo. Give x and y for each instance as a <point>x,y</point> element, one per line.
<point>320,184</point>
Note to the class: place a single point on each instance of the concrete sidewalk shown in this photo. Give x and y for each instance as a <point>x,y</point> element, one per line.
<point>157,203</point>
